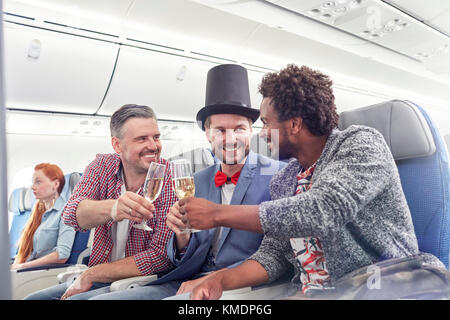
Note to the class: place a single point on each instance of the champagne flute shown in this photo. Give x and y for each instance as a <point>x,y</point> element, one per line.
<point>183,182</point>
<point>152,188</point>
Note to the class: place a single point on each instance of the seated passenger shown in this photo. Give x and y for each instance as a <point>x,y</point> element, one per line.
<point>338,204</point>
<point>228,128</point>
<point>45,238</point>
<point>109,198</point>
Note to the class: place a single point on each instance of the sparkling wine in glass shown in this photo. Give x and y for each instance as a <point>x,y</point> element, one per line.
<point>152,188</point>
<point>183,182</point>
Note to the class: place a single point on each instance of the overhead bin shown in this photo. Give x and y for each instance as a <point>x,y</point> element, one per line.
<point>167,83</point>
<point>54,71</point>
<point>173,85</point>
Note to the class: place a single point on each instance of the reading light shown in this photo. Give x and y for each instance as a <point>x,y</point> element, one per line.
<point>354,4</point>
<point>340,10</point>
<point>328,5</point>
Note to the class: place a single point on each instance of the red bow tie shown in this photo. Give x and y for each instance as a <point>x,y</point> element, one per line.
<point>221,178</point>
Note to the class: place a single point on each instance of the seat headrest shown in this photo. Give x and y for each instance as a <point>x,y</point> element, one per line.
<point>402,125</point>
<point>73,180</point>
<point>447,142</point>
<point>14,201</point>
<point>28,199</point>
<point>22,195</point>
<point>259,145</point>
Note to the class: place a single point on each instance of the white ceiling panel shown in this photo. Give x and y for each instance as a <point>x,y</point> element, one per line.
<point>425,10</point>
<point>184,22</point>
<point>442,22</point>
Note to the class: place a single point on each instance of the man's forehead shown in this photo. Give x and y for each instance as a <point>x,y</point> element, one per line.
<point>140,125</point>
<point>222,120</point>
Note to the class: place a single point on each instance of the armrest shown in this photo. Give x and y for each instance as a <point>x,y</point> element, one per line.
<point>130,283</point>
<point>72,273</point>
<point>44,267</point>
<point>275,290</point>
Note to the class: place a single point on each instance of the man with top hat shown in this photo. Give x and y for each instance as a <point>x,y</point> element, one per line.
<point>240,177</point>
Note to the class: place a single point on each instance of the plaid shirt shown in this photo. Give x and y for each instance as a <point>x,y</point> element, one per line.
<point>102,180</point>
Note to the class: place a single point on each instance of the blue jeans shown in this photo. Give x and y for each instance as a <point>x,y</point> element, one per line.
<point>56,292</point>
<point>149,292</point>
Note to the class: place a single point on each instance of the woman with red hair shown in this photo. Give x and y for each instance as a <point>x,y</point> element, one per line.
<point>45,238</point>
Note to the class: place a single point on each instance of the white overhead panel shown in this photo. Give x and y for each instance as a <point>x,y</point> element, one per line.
<point>59,54</point>
<point>379,23</point>
<point>94,17</point>
<point>38,123</point>
<point>188,25</point>
<point>423,10</point>
<point>53,71</point>
<point>165,82</point>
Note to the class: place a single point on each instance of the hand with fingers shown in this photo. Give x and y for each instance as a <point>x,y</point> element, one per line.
<point>210,288</point>
<point>177,223</point>
<point>199,213</point>
<point>133,207</point>
<point>80,285</point>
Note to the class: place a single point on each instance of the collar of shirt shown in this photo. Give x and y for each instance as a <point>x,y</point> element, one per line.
<point>58,205</point>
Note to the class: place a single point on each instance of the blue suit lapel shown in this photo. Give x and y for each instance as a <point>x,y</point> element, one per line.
<point>214,194</point>
<point>245,179</point>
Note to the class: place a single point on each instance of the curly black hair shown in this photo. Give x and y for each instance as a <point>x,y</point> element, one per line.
<point>302,92</point>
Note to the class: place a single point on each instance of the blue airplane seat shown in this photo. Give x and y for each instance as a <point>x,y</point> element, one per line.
<point>430,200</point>
<point>81,238</point>
<point>447,141</point>
<point>21,212</point>
<point>71,181</point>
<point>79,246</point>
<point>422,162</point>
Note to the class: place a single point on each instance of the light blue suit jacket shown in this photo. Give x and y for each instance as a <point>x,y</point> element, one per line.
<point>235,245</point>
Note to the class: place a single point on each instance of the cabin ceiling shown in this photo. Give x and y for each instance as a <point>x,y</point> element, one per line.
<point>89,57</point>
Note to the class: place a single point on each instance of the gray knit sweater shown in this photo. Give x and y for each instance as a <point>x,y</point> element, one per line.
<point>355,206</point>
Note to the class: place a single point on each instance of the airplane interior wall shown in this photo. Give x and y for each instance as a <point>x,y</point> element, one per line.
<point>5,279</point>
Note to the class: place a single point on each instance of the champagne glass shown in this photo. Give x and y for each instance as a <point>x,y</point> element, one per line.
<point>183,182</point>
<point>152,188</point>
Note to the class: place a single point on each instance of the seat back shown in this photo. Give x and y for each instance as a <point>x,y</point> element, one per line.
<point>21,201</point>
<point>422,162</point>
<point>447,141</point>
<point>200,158</point>
<point>71,180</point>
<point>81,238</point>
<point>259,145</point>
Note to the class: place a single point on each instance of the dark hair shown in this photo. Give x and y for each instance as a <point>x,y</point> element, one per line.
<point>302,92</point>
<point>126,112</point>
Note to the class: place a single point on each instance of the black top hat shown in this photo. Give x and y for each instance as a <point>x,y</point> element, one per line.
<point>227,92</point>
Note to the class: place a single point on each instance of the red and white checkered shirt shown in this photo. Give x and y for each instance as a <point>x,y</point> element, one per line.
<point>102,180</point>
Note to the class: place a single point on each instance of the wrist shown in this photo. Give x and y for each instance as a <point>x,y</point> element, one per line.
<point>112,210</point>
<point>218,215</point>
<point>88,275</point>
<point>182,240</point>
